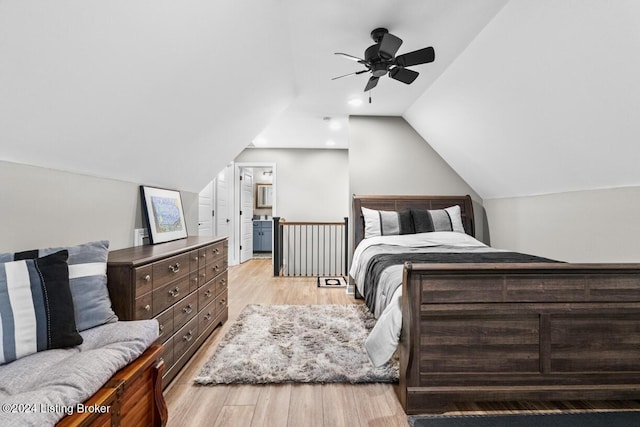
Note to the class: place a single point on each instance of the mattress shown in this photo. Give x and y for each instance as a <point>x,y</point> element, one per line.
<point>385,298</point>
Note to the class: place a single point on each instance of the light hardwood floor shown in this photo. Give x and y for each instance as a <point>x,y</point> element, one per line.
<point>322,405</point>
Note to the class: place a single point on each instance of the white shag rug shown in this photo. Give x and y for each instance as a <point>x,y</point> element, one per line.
<point>297,343</point>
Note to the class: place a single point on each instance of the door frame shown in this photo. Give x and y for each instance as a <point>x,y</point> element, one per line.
<point>237,171</point>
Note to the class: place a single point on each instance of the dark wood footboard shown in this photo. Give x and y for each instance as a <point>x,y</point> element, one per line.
<point>496,332</point>
<point>132,397</point>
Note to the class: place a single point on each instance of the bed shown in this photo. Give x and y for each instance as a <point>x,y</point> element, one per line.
<point>505,331</point>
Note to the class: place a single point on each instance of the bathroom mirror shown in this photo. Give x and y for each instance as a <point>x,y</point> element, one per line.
<point>264,196</point>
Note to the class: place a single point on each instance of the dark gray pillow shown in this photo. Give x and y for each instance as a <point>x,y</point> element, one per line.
<point>448,219</point>
<point>36,307</point>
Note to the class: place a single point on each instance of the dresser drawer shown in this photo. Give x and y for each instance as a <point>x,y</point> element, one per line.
<point>194,258</point>
<point>204,254</point>
<point>185,310</point>
<point>170,269</point>
<point>221,303</point>
<point>169,294</point>
<point>221,283</point>
<point>202,276</point>
<point>167,353</point>
<point>206,316</point>
<point>144,280</point>
<point>185,337</point>
<point>213,252</point>
<point>194,281</point>
<point>206,293</point>
<point>144,307</point>
<point>218,266</point>
<point>165,327</point>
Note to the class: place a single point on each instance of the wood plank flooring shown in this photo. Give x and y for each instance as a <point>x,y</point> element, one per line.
<point>322,405</point>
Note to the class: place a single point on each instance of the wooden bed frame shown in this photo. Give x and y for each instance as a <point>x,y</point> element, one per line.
<point>507,332</point>
<point>133,396</point>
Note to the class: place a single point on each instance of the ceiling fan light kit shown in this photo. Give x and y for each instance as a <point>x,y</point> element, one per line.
<point>379,59</point>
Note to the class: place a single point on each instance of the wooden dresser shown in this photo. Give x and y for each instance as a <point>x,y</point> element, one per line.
<point>182,283</point>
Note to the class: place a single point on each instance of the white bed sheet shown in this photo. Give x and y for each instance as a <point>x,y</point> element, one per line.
<point>384,338</point>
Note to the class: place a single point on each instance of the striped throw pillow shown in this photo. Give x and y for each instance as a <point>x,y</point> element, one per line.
<point>448,219</point>
<point>36,308</point>
<point>386,223</point>
<point>87,280</point>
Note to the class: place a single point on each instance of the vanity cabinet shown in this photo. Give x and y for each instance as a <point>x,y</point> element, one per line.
<point>262,235</point>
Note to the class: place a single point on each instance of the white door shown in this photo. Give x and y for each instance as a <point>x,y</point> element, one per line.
<point>224,205</point>
<point>205,211</point>
<point>246,215</point>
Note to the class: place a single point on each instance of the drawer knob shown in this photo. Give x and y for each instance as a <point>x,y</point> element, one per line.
<point>215,267</point>
<point>160,330</point>
<point>195,258</point>
<point>223,282</point>
<point>207,317</point>
<point>147,307</point>
<point>188,337</point>
<point>188,309</point>
<point>175,267</point>
<point>207,294</point>
<point>223,302</point>
<point>147,278</point>
<point>204,255</point>
<point>216,250</point>
<point>174,292</point>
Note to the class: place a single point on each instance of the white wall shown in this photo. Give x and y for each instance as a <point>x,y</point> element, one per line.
<point>311,185</point>
<point>581,226</point>
<point>387,156</point>
<point>44,207</point>
<point>544,100</point>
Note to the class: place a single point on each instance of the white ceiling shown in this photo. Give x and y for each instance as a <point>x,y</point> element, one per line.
<point>524,97</point>
<point>319,29</point>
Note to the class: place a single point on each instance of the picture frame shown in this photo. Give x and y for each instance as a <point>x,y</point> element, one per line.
<point>163,214</point>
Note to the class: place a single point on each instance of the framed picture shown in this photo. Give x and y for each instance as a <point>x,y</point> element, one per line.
<point>163,214</point>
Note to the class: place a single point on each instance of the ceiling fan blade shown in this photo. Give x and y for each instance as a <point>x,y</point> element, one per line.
<point>403,75</point>
<point>350,74</point>
<point>417,57</point>
<point>351,57</point>
<point>389,46</point>
<point>373,81</point>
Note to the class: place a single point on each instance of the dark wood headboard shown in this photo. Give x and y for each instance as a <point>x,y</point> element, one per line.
<point>396,203</point>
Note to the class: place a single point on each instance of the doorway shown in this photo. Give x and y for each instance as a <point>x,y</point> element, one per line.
<point>255,190</point>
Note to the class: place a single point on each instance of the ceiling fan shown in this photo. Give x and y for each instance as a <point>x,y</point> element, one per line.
<point>379,59</point>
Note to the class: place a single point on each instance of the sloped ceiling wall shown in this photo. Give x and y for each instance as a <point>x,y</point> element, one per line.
<point>88,89</point>
<point>544,100</point>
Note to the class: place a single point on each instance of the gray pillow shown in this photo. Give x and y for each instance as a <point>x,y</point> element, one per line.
<point>87,281</point>
<point>386,223</point>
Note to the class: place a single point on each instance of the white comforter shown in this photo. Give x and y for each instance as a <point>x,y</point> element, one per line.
<point>383,339</point>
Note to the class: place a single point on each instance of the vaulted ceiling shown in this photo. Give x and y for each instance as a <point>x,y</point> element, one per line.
<point>523,98</point>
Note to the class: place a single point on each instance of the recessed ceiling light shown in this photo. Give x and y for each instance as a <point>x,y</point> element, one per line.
<point>334,124</point>
<point>330,142</point>
<point>355,102</point>
<point>260,140</point>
